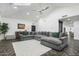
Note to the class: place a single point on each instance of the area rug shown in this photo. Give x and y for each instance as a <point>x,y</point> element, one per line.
<point>29,48</point>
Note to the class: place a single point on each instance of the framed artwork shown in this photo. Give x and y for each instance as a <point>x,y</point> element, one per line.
<point>21,26</point>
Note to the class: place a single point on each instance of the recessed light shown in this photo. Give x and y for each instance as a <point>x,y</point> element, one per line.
<point>15,7</point>
<point>28,13</point>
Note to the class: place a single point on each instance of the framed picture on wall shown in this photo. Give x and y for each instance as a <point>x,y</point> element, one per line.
<point>21,26</point>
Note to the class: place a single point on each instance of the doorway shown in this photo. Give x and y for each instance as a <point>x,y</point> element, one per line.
<point>60,26</point>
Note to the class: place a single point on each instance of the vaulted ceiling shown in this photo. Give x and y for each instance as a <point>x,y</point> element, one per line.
<point>30,12</point>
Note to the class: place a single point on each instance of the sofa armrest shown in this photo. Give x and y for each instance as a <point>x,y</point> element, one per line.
<point>64,39</point>
<point>21,35</point>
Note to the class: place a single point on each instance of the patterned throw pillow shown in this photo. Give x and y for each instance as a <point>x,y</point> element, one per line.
<point>24,33</point>
<point>55,34</point>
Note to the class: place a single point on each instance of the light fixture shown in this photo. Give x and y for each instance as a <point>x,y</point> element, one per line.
<point>64,15</point>
<point>68,19</point>
<point>28,13</point>
<point>15,7</point>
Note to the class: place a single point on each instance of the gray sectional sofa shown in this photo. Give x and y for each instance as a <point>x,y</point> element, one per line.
<point>58,42</point>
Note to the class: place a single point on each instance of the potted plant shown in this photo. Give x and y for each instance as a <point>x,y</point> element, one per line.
<point>1,35</point>
<point>4,29</point>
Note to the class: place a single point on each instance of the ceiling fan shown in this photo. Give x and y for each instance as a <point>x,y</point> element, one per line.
<point>41,11</point>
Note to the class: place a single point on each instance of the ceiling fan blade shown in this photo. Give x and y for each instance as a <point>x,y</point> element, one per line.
<point>45,8</point>
<point>33,10</point>
<point>41,12</point>
<point>36,10</point>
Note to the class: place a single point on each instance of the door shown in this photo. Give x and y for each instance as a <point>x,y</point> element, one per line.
<point>60,26</point>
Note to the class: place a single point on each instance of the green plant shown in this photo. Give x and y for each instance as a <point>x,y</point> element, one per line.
<point>4,29</point>
<point>0,28</point>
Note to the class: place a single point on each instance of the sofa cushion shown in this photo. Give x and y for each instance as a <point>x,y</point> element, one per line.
<point>24,33</point>
<point>55,34</point>
<point>52,40</point>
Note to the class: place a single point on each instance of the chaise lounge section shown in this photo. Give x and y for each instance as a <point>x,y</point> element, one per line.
<point>55,43</point>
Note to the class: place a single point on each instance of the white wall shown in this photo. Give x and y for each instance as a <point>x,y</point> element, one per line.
<point>12,23</point>
<point>76,30</point>
<point>50,23</point>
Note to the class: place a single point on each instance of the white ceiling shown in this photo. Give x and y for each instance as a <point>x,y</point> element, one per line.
<point>7,10</point>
